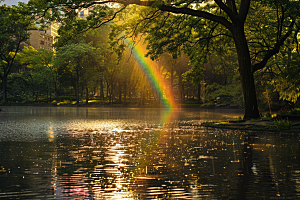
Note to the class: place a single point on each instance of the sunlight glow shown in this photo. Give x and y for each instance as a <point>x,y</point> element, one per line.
<point>151,69</point>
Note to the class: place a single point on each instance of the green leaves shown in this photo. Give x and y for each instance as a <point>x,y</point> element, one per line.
<point>72,52</point>
<point>195,75</point>
<point>15,22</point>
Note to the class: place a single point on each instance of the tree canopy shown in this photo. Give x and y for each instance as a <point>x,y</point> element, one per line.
<point>15,22</point>
<point>248,41</point>
<point>256,29</point>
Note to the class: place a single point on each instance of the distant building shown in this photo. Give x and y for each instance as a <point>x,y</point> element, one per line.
<point>45,39</point>
<point>41,40</point>
<point>83,13</point>
<point>53,30</point>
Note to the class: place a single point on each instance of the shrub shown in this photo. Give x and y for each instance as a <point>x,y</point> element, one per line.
<point>295,111</point>
<point>209,104</point>
<point>285,111</point>
<point>268,115</point>
<point>283,124</point>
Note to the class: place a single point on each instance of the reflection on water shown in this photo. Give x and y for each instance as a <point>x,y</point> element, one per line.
<point>100,153</point>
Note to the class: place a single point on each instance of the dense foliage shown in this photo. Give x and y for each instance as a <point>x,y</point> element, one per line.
<point>14,23</point>
<point>210,51</point>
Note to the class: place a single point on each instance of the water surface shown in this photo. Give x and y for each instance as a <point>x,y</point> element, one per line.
<point>116,153</point>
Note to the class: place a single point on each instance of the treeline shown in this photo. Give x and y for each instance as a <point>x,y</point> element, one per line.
<point>85,70</point>
<point>91,63</point>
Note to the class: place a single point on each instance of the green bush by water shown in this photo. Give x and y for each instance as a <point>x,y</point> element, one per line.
<point>283,124</point>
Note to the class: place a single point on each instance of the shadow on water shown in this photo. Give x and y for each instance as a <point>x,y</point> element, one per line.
<point>86,153</point>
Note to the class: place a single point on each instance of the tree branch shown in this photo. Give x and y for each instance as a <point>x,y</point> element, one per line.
<point>124,2</point>
<point>226,9</point>
<point>187,11</point>
<point>244,8</point>
<point>273,51</point>
<point>198,13</point>
<point>232,6</point>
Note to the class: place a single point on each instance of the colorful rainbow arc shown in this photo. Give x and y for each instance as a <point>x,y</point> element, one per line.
<point>164,92</point>
<point>150,68</point>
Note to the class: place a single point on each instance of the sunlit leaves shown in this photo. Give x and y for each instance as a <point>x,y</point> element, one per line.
<point>43,75</point>
<point>286,70</point>
<point>14,24</point>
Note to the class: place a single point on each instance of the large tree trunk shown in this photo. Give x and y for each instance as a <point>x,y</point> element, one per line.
<point>101,89</point>
<point>172,79</point>
<point>199,93</point>
<point>55,88</point>
<point>77,85</point>
<point>179,89</point>
<point>245,70</point>
<point>47,93</point>
<point>4,88</point>
<point>125,90</point>
<point>182,92</point>
<point>107,89</point>
<point>111,91</point>
<point>120,91</point>
<point>86,95</point>
<point>129,92</point>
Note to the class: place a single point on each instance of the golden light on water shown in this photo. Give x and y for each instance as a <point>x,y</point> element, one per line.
<point>147,158</point>
<point>51,133</point>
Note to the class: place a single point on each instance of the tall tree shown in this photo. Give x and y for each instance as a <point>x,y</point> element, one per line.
<point>75,57</point>
<point>40,62</point>
<point>15,22</point>
<point>204,26</point>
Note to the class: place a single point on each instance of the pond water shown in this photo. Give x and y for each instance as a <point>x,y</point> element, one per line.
<point>118,153</point>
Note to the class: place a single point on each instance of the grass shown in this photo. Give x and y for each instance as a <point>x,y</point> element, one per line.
<point>279,125</point>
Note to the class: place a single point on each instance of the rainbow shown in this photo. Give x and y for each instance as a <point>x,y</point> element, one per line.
<point>151,69</point>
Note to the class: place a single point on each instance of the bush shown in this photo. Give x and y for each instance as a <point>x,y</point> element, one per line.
<point>209,104</point>
<point>267,115</point>
<point>285,111</point>
<point>229,94</point>
<point>295,111</point>
<point>283,124</point>
<point>71,98</point>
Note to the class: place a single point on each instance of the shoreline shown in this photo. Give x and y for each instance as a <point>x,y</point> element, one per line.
<point>121,105</point>
<point>257,126</point>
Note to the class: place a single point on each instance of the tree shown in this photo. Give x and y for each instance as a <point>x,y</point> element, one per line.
<point>197,24</point>
<point>15,22</point>
<point>44,75</point>
<point>226,22</point>
<point>285,71</point>
<point>74,57</point>
<point>176,67</point>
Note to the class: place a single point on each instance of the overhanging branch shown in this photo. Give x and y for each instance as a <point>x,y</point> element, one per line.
<point>273,51</point>
<point>173,9</point>
<point>197,13</point>
<point>244,8</point>
<point>232,6</point>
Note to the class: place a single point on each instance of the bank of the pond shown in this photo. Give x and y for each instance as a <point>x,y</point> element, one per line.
<point>116,105</point>
<point>279,124</point>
